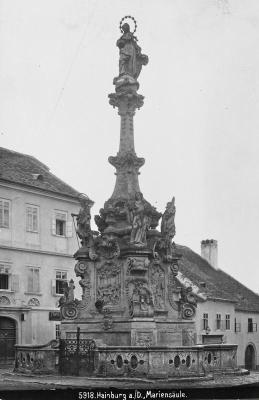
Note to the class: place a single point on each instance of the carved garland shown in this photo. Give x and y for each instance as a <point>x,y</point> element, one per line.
<point>157,280</point>
<point>171,290</point>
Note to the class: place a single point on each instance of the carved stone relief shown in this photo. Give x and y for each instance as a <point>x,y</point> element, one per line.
<point>137,265</point>
<point>140,297</point>
<point>143,339</point>
<point>33,302</point>
<point>4,301</point>
<point>108,283</point>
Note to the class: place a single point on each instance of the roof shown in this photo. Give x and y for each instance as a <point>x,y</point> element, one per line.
<point>25,170</point>
<point>219,285</point>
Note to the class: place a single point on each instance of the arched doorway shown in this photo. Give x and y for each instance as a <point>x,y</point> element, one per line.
<point>250,357</point>
<point>7,340</point>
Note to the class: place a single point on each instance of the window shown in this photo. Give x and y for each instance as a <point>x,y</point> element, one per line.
<point>61,277</point>
<point>218,321</point>
<point>57,332</point>
<point>227,321</point>
<point>205,321</point>
<point>33,280</point>
<point>4,213</point>
<point>252,326</point>
<point>237,326</point>
<point>4,277</point>
<point>32,218</point>
<point>60,223</point>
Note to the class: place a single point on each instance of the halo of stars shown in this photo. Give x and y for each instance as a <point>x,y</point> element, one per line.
<point>133,19</point>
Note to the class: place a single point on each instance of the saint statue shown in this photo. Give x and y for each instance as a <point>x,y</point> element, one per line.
<point>140,221</point>
<point>131,58</point>
<point>167,224</point>
<point>83,219</point>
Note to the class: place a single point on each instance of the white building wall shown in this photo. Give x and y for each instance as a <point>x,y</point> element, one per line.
<point>242,338</point>
<point>212,308</point>
<point>44,250</point>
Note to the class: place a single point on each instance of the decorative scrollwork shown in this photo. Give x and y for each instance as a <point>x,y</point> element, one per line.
<point>81,268</point>
<point>69,311</point>
<point>188,303</point>
<point>188,311</point>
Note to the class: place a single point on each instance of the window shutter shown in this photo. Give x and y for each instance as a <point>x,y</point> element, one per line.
<point>36,280</point>
<point>15,283</point>
<point>53,227</point>
<point>69,227</point>
<point>30,280</point>
<point>53,287</point>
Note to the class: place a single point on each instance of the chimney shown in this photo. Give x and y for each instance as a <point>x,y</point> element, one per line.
<point>209,251</point>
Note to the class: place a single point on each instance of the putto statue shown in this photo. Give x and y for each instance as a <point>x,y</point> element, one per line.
<point>131,58</point>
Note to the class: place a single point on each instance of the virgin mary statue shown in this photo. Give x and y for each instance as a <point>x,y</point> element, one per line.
<point>131,58</point>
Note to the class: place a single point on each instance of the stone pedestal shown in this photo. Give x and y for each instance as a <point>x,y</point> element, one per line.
<point>143,332</point>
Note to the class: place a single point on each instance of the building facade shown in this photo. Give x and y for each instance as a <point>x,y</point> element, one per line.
<point>227,311</point>
<point>37,243</point>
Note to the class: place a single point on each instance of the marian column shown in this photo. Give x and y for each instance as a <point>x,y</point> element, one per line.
<point>135,316</point>
<point>127,197</point>
<point>128,269</point>
<point>127,100</point>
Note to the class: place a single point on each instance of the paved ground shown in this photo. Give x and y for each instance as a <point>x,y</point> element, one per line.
<point>11,382</point>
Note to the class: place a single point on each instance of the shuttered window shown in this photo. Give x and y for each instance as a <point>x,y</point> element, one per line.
<point>33,280</point>
<point>59,223</point>
<point>4,213</point>
<point>32,218</point>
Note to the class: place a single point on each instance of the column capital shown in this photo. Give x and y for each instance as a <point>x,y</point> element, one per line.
<point>126,101</point>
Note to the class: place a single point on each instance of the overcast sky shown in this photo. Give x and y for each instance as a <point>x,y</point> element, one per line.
<point>198,129</point>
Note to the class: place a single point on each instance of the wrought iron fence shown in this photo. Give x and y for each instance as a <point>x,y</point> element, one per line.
<point>77,356</point>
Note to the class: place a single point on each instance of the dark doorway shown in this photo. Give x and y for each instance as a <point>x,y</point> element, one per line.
<point>7,340</point>
<point>250,357</point>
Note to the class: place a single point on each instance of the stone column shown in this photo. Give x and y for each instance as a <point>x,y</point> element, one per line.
<point>126,162</point>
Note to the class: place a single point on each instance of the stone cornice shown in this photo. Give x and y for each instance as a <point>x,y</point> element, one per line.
<point>34,251</point>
